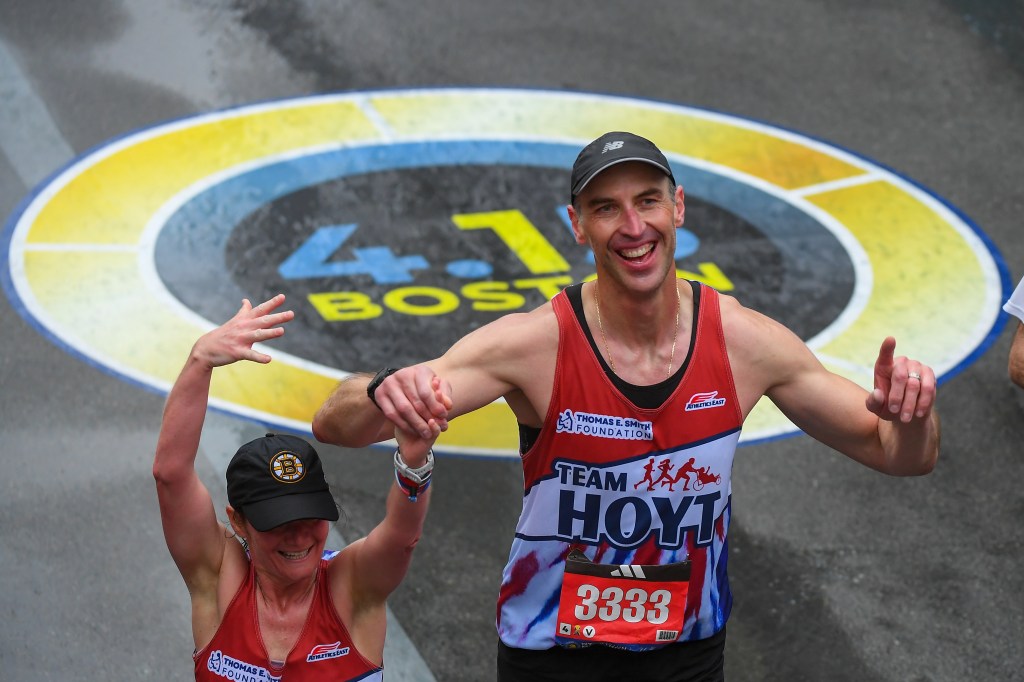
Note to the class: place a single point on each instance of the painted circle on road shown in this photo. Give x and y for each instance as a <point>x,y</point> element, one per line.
<point>397,221</point>
<point>378,221</point>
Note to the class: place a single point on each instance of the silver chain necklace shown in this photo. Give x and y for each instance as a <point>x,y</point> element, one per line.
<point>607,350</point>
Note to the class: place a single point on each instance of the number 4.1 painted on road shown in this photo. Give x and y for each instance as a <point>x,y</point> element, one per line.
<point>520,236</point>
<point>313,258</point>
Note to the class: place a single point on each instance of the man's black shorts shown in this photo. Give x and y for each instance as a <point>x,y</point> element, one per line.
<point>702,660</point>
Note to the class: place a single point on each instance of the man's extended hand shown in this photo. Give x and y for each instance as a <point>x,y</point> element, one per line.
<point>904,388</point>
<point>415,399</point>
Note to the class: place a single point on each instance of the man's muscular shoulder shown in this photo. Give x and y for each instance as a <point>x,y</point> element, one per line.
<point>533,352</point>
<point>762,352</point>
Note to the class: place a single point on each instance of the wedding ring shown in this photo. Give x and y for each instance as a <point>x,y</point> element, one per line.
<point>914,375</point>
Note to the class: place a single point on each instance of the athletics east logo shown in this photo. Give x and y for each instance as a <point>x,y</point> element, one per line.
<point>704,401</point>
<point>322,652</point>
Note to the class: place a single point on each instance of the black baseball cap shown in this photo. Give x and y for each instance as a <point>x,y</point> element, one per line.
<point>610,149</point>
<point>277,479</point>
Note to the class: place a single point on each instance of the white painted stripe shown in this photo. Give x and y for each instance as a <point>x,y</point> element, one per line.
<point>36,148</point>
<point>823,187</point>
<point>383,127</point>
<point>28,136</point>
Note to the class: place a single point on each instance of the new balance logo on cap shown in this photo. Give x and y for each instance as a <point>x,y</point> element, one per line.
<point>612,148</point>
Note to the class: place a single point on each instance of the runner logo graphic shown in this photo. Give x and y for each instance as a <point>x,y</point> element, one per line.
<point>604,426</point>
<point>704,401</point>
<point>701,475</point>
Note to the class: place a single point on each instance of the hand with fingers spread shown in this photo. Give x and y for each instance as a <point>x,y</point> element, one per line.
<point>233,340</point>
<point>904,388</point>
<point>416,400</point>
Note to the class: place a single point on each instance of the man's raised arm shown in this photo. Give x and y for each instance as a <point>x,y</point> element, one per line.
<point>348,417</point>
<point>513,354</point>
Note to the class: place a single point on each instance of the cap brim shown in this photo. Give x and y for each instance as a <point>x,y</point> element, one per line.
<point>268,514</point>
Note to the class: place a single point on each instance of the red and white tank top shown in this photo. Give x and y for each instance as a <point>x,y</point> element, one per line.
<point>323,651</point>
<point>625,484</point>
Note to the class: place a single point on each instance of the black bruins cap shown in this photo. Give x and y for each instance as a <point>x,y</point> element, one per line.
<point>277,479</point>
<point>610,149</point>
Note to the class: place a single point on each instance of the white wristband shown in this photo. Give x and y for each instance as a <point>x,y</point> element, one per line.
<point>413,481</point>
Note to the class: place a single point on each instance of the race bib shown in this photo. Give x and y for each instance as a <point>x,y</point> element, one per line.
<point>628,605</point>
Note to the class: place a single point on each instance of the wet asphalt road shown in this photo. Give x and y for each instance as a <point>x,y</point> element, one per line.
<point>839,573</point>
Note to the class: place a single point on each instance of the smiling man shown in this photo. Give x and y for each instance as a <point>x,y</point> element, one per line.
<point>621,386</point>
